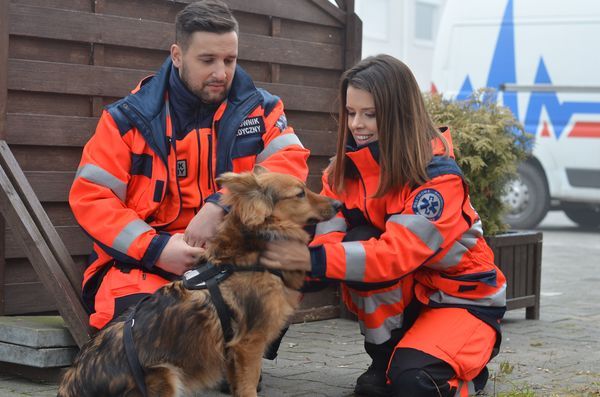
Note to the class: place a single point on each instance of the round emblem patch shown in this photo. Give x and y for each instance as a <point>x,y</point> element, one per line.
<point>429,203</point>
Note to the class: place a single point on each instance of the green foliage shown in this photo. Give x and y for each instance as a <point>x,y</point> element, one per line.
<point>488,144</point>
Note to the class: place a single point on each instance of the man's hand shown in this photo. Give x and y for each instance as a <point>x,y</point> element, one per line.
<point>204,225</point>
<point>286,255</point>
<point>177,256</point>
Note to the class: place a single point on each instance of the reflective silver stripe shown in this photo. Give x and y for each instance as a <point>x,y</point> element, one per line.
<point>469,239</point>
<point>333,225</point>
<point>133,230</point>
<point>452,257</point>
<point>356,261</point>
<point>277,144</point>
<point>101,177</point>
<point>383,333</point>
<point>458,388</point>
<point>369,304</point>
<point>497,299</point>
<point>422,228</point>
<point>471,388</point>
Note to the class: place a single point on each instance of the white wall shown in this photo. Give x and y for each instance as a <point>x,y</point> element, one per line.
<point>405,29</point>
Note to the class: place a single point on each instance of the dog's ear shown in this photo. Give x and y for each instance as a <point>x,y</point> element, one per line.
<point>246,197</point>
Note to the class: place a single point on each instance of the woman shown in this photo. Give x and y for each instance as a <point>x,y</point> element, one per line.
<point>406,241</point>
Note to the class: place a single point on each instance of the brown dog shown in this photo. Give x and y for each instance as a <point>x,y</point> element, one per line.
<point>178,334</point>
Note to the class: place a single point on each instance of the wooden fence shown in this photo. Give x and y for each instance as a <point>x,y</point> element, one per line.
<point>62,61</point>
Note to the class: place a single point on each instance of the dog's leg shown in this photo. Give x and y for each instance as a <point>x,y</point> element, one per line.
<point>244,368</point>
<point>163,382</point>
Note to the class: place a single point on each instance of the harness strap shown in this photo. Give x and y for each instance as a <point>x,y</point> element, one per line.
<point>132,357</point>
<point>223,310</point>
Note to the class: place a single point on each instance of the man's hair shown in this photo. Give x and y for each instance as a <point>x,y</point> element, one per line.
<point>405,129</point>
<point>212,16</point>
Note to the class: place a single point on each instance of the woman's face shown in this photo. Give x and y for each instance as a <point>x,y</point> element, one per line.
<point>361,115</point>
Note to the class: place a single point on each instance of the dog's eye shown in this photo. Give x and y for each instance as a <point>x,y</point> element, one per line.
<point>301,194</point>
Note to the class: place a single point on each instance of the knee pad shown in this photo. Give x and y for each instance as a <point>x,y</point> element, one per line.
<point>416,382</point>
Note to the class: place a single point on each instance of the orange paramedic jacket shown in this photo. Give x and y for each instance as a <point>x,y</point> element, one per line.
<point>430,231</point>
<point>127,193</point>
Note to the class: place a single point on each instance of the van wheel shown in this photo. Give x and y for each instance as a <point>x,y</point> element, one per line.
<point>526,198</point>
<point>584,216</point>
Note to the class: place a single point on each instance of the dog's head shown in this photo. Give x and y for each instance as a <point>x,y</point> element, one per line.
<point>257,198</point>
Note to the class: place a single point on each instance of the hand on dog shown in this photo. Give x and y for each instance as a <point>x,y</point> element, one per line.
<point>286,255</point>
<point>178,256</point>
<point>204,225</point>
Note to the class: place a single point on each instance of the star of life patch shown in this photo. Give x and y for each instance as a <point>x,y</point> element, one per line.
<point>429,203</point>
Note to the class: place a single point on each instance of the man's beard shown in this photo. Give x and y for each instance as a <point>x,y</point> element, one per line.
<point>203,92</point>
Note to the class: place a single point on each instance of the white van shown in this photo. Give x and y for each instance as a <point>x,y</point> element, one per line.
<point>543,57</point>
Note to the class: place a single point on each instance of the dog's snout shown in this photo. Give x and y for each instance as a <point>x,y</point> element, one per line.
<point>337,205</point>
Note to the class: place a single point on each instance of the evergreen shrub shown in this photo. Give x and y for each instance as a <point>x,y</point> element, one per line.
<point>488,143</point>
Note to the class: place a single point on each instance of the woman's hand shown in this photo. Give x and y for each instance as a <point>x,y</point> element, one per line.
<point>286,255</point>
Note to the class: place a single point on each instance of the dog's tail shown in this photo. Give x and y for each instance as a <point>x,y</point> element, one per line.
<point>68,385</point>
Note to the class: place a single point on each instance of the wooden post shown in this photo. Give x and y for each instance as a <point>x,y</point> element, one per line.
<point>3,109</point>
<point>353,50</point>
<point>275,32</point>
<point>97,58</point>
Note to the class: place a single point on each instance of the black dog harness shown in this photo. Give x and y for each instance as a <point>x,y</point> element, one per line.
<point>207,277</point>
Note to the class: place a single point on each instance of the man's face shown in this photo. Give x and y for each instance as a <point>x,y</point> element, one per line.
<point>207,65</point>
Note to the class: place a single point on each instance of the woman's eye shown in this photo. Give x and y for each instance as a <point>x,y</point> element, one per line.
<point>370,115</point>
<point>301,194</point>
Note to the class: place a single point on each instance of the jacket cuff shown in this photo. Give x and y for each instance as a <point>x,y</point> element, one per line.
<point>215,199</point>
<point>318,261</point>
<point>154,250</point>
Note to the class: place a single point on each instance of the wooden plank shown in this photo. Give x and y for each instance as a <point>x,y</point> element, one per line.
<point>48,103</point>
<point>50,50</point>
<point>320,143</point>
<point>31,297</point>
<point>20,270</point>
<point>49,130</point>
<point>42,76</point>
<point>79,5</point>
<point>332,10</point>
<point>287,9</point>
<point>47,158</point>
<point>4,22</point>
<point>309,99</point>
<point>63,78</point>
<point>4,41</point>
<point>75,240</point>
<point>41,256</point>
<point>138,33</point>
<point>39,216</point>
<point>87,27</point>
<point>311,32</point>
<point>520,302</point>
<point>51,185</point>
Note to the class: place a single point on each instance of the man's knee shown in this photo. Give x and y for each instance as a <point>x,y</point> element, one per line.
<point>416,382</point>
<point>415,373</point>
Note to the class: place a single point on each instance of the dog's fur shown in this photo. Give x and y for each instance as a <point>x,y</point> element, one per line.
<point>177,332</point>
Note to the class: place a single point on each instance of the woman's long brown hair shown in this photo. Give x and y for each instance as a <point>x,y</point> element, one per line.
<point>405,130</point>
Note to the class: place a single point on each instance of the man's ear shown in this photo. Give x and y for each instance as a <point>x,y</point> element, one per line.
<point>176,55</point>
<point>246,197</point>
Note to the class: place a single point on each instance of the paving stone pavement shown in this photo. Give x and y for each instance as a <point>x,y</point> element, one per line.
<point>558,355</point>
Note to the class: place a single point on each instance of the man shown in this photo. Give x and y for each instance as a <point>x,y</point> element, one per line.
<point>148,173</point>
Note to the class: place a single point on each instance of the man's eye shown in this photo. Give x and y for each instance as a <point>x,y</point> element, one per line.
<point>301,194</point>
